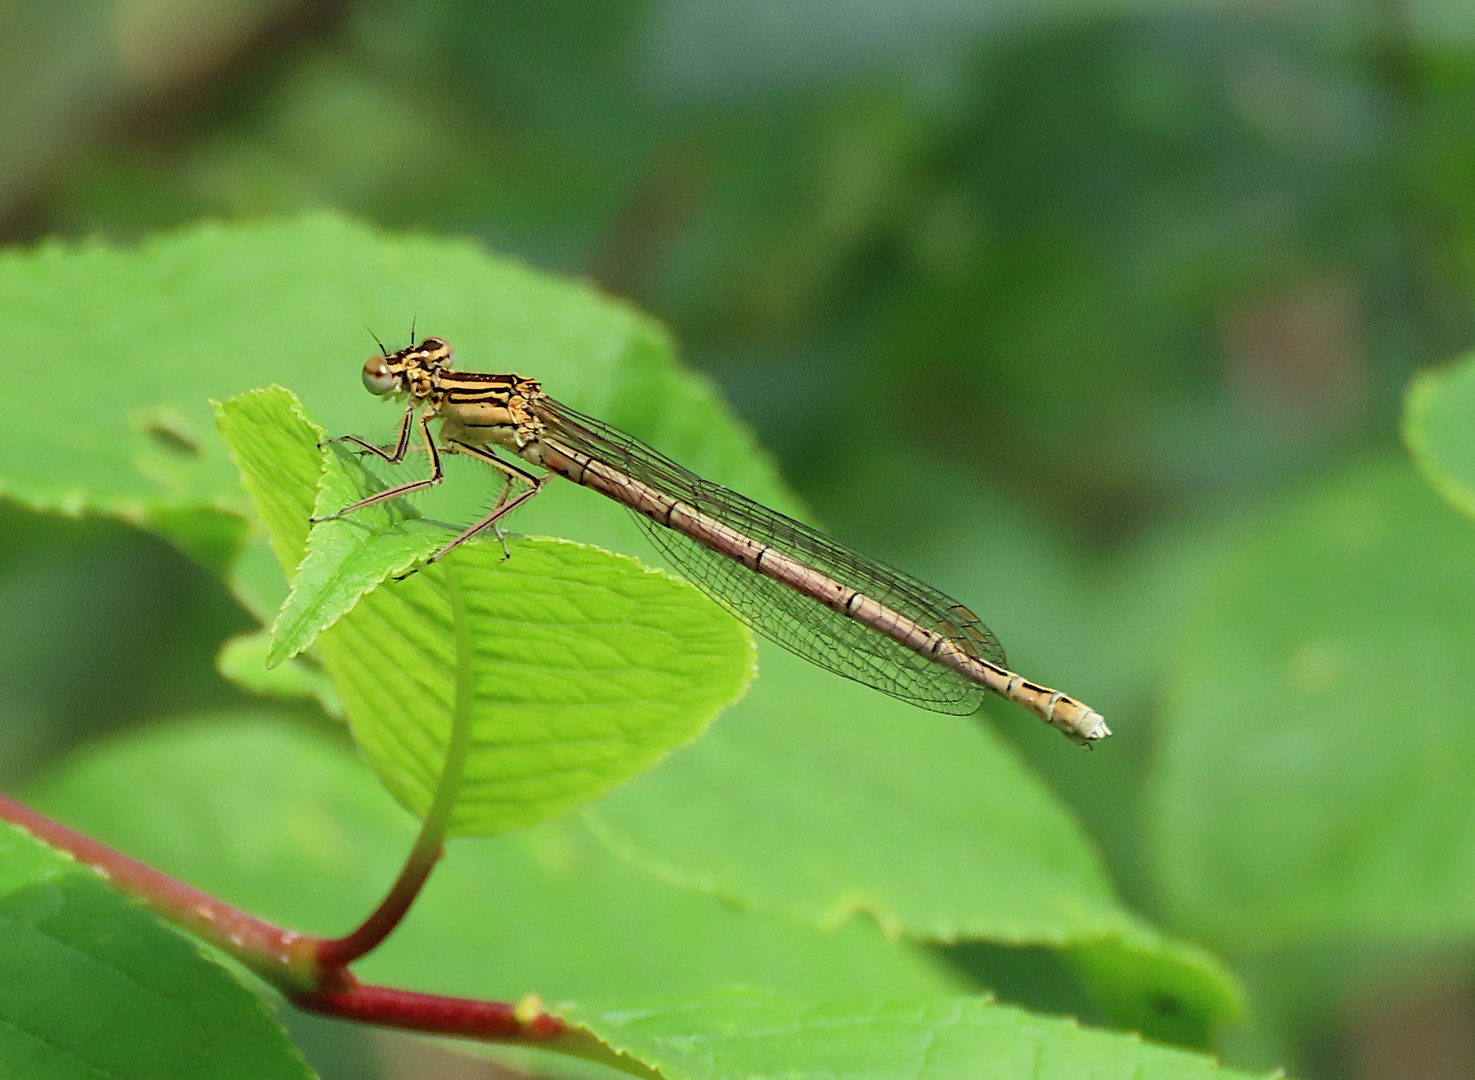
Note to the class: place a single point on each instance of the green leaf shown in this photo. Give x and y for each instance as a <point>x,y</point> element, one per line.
<point>1314,781</point>
<point>152,333</point>
<point>144,338</point>
<point>926,822</point>
<point>284,822</point>
<point>92,986</point>
<point>852,802</point>
<point>347,557</point>
<point>290,480</point>
<point>588,667</point>
<point>242,659</point>
<point>1439,427</point>
<point>758,1035</point>
<point>1171,991</point>
<point>550,910</point>
<point>276,449</point>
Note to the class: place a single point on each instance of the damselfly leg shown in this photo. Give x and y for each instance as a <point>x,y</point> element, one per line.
<point>401,445</point>
<point>437,473</point>
<point>513,474</point>
<point>504,505</point>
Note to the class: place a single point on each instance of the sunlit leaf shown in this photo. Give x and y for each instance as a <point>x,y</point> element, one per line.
<point>588,667</point>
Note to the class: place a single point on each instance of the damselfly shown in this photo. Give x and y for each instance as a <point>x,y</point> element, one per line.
<point>791,583</point>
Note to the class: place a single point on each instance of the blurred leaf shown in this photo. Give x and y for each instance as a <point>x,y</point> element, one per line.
<point>142,339</point>
<point>1105,628</point>
<point>753,1034</point>
<point>213,538</point>
<point>926,822</point>
<point>588,666</point>
<point>1170,991</point>
<point>91,985</point>
<point>852,802</point>
<point>1314,774</point>
<point>103,61</point>
<point>256,580</point>
<point>285,823</point>
<point>100,625</point>
<point>1439,427</point>
<point>213,311</point>
<point>242,659</point>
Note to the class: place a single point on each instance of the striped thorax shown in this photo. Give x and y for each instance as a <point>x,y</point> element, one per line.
<point>472,407</point>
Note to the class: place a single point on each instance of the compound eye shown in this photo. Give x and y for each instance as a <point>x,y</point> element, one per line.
<point>436,350</point>
<point>378,378</point>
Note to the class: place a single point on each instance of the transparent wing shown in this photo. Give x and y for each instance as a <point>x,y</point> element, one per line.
<point>785,616</point>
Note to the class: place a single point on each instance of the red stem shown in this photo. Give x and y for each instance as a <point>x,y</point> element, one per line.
<point>294,963</point>
<point>340,952</point>
<point>465,1017</point>
<point>429,845</point>
<point>260,945</point>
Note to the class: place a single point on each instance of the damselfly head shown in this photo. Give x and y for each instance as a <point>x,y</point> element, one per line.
<point>389,373</point>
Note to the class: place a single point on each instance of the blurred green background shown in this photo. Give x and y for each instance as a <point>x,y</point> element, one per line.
<point>1057,303</point>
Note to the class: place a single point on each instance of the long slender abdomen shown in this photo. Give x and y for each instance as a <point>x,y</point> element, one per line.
<point>1080,724</point>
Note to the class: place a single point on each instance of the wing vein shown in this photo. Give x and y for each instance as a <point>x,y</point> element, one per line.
<point>780,613</point>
